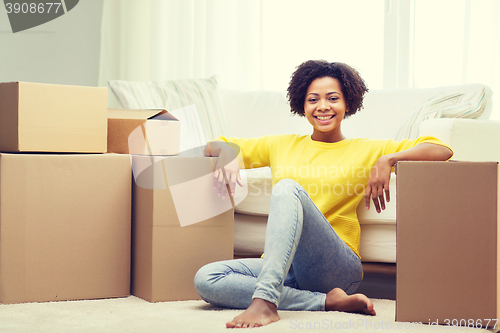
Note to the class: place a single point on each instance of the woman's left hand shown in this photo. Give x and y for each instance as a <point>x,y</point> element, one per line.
<point>378,184</point>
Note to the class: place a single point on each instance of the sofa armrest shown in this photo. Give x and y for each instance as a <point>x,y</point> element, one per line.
<point>470,139</point>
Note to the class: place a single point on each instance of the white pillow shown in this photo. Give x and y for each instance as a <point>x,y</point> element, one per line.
<point>471,105</point>
<point>192,133</point>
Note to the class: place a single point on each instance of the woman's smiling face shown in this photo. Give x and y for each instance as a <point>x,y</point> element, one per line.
<point>324,108</point>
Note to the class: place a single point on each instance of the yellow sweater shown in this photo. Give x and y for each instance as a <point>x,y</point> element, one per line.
<point>334,175</point>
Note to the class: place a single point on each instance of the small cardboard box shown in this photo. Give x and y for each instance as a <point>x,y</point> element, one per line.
<point>448,253</point>
<point>65,227</point>
<point>143,132</point>
<point>36,117</point>
<point>179,224</point>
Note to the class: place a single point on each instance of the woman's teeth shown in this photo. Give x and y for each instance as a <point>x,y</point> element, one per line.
<point>324,118</point>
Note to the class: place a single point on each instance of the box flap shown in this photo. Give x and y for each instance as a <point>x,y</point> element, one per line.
<point>159,114</point>
<point>164,115</point>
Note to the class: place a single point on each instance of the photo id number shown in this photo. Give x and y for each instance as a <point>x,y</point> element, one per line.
<point>471,323</point>
<point>32,7</point>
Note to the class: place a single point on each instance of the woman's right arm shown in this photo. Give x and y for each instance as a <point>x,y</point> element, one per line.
<point>227,169</point>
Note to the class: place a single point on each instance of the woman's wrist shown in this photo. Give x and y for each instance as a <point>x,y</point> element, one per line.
<point>228,151</point>
<point>390,159</point>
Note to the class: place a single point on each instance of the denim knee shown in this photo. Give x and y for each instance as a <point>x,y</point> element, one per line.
<point>286,186</point>
<point>202,280</point>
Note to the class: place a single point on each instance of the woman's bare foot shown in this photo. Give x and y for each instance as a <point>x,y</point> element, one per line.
<point>338,300</point>
<point>259,313</point>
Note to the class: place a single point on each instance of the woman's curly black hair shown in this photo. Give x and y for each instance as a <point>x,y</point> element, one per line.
<point>352,85</point>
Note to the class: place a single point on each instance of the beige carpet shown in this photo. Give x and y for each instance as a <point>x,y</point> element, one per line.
<point>133,314</point>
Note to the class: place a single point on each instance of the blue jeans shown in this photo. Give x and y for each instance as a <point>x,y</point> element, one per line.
<point>303,260</point>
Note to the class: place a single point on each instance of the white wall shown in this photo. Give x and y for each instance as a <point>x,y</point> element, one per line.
<point>62,51</point>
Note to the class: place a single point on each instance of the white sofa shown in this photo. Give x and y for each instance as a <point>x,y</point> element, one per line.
<point>251,114</point>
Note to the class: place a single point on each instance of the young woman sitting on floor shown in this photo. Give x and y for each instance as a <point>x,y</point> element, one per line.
<point>311,257</point>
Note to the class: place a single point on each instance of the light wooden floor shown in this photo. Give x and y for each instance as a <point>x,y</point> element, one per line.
<point>379,280</point>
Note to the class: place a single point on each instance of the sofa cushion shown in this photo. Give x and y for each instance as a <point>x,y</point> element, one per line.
<point>378,243</point>
<point>259,186</point>
<point>179,95</point>
<point>471,140</point>
<point>386,216</point>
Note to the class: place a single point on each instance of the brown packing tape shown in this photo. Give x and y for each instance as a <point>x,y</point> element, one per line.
<point>146,140</point>
<point>210,152</point>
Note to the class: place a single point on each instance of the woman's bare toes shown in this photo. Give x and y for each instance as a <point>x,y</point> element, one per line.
<point>259,313</point>
<point>338,300</point>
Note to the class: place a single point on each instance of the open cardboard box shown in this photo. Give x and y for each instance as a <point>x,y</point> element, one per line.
<point>448,253</point>
<point>143,132</point>
<point>38,117</point>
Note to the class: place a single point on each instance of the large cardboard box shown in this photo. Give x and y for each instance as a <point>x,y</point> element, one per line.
<point>179,225</point>
<point>36,117</point>
<point>448,253</point>
<point>143,132</point>
<point>65,227</point>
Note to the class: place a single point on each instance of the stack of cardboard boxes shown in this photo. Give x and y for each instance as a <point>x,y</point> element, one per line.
<point>69,228</point>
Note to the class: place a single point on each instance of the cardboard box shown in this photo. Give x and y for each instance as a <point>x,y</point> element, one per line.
<point>179,224</point>
<point>36,117</point>
<point>65,227</point>
<point>143,132</point>
<point>448,253</point>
